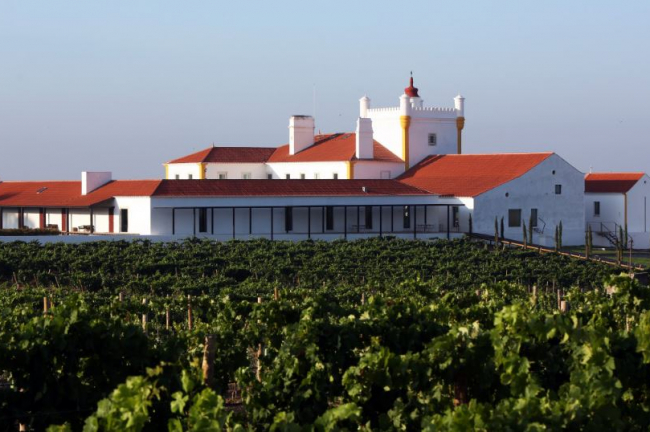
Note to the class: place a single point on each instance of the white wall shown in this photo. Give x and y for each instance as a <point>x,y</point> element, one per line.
<point>139,210</point>
<point>183,170</point>
<point>638,206</point>
<point>373,169</point>
<point>325,169</point>
<point>445,130</point>
<point>235,171</point>
<point>612,212</point>
<point>536,189</point>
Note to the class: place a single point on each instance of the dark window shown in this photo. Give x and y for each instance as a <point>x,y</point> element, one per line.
<point>596,208</point>
<point>368,214</point>
<point>302,176</point>
<point>178,177</point>
<point>433,139</point>
<point>514,218</point>
<point>533,218</point>
<point>336,176</point>
<point>558,189</point>
<point>203,220</point>
<point>124,220</point>
<point>455,218</point>
<point>407,217</point>
<point>269,176</point>
<point>329,218</point>
<point>288,176</point>
<point>189,176</point>
<point>288,219</point>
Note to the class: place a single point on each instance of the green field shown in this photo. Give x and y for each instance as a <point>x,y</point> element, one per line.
<point>379,334</point>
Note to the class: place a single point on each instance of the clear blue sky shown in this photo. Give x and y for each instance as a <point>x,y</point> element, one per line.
<point>125,85</point>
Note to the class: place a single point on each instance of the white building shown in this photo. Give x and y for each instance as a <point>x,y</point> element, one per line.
<point>618,200</point>
<point>401,172</point>
<point>385,143</point>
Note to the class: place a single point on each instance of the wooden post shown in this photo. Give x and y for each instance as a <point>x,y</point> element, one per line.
<point>189,313</point>
<point>208,361</point>
<point>121,296</point>
<point>559,299</point>
<point>144,317</point>
<point>45,306</point>
<point>363,298</point>
<point>564,306</point>
<point>534,294</point>
<point>276,294</point>
<point>258,354</point>
<point>22,427</point>
<point>167,319</point>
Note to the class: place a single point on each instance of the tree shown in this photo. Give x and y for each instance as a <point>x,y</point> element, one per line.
<point>530,229</point>
<point>525,237</point>
<point>496,232</point>
<point>557,238</point>
<point>502,229</point>
<point>588,240</point>
<point>471,225</point>
<point>560,235</point>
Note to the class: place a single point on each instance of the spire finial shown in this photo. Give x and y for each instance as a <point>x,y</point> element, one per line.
<point>410,90</point>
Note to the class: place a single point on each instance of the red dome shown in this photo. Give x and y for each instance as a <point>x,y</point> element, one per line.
<point>411,91</point>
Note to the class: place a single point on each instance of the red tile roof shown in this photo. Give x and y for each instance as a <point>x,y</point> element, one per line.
<point>332,148</point>
<point>219,188</point>
<point>469,175</point>
<point>611,182</point>
<point>228,155</point>
<point>68,193</point>
<point>327,148</point>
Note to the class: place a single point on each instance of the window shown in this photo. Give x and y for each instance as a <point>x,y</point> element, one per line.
<point>189,176</point>
<point>223,176</point>
<point>455,216</point>
<point>316,176</point>
<point>124,220</point>
<point>558,189</point>
<point>178,177</point>
<point>246,176</point>
<point>533,217</point>
<point>269,176</point>
<point>335,176</point>
<point>384,175</point>
<point>514,218</point>
<point>302,176</point>
<point>203,220</point>
<point>288,219</point>
<point>407,217</point>
<point>596,208</point>
<point>368,214</point>
<point>329,218</point>
<point>433,139</point>
<point>288,176</point>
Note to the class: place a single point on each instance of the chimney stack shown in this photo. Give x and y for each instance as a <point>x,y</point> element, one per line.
<point>364,139</point>
<point>301,133</point>
<point>94,180</point>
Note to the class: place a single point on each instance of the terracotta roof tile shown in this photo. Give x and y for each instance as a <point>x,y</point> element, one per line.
<point>611,182</point>
<point>228,155</point>
<point>68,193</point>
<point>469,175</point>
<point>218,188</point>
<point>332,148</point>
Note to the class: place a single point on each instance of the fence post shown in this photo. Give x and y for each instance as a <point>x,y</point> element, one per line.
<point>144,316</point>
<point>167,319</point>
<point>190,319</point>
<point>208,361</point>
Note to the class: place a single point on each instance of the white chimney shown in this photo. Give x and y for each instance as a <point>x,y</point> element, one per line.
<point>364,139</point>
<point>94,180</point>
<point>364,105</point>
<point>301,133</point>
<point>459,103</point>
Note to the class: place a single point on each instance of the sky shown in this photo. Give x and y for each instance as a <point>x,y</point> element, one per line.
<point>126,85</point>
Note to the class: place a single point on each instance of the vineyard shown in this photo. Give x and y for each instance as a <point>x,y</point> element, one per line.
<point>378,334</point>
